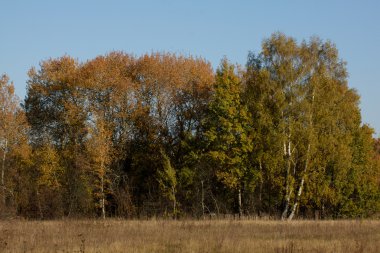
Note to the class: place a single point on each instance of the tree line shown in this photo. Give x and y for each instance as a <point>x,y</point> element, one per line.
<point>164,135</point>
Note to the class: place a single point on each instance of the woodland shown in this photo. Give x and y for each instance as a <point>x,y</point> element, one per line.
<point>165,135</point>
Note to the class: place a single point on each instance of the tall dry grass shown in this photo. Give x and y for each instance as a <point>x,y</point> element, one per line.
<point>189,236</point>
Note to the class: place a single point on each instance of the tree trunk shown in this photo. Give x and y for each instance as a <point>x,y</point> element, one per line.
<point>294,209</point>
<point>103,200</point>
<point>260,189</point>
<point>297,200</point>
<point>39,205</point>
<point>102,192</point>
<point>286,209</point>
<point>301,185</point>
<point>203,200</point>
<point>288,188</point>
<point>3,173</point>
<point>239,202</point>
<point>174,203</point>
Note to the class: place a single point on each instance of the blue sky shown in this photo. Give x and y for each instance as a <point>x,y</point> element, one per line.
<point>31,31</point>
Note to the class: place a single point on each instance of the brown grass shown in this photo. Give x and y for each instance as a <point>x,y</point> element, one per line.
<point>189,236</point>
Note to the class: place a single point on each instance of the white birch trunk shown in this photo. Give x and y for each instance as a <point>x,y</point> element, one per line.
<point>297,200</point>
<point>288,188</point>
<point>294,209</point>
<point>301,185</point>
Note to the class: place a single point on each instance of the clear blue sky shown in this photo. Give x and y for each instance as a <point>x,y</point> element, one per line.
<point>31,31</point>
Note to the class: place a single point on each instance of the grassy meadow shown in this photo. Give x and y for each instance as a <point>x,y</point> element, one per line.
<point>189,236</point>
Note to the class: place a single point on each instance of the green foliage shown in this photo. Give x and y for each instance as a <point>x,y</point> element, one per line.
<point>227,129</point>
<point>305,118</point>
<point>167,178</point>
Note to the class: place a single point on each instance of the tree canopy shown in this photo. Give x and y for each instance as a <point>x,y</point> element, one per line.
<point>164,135</point>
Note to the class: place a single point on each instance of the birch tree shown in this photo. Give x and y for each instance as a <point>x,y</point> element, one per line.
<point>299,87</point>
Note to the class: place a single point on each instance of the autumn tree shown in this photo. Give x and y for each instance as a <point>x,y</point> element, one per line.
<point>14,148</point>
<point>306,119</point>
<point>282,114</point>
<point>105,85</point>
<point>227,131</point>
<point>55,110</point>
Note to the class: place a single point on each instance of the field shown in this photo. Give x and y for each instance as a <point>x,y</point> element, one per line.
<point>189,236</point>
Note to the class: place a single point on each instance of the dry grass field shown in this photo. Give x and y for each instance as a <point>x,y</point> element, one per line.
<point>189,236</point>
